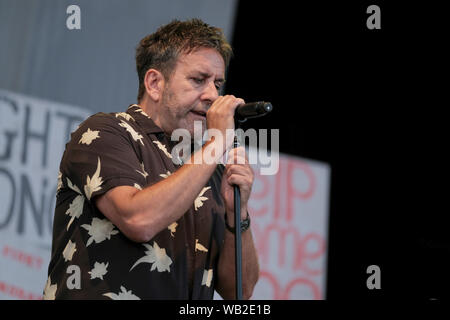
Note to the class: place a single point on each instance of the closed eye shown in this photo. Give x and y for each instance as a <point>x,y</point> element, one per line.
<point>201,81</point>
<point>198,80</point>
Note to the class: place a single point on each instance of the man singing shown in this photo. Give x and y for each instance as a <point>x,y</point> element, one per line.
<point>131,221</point>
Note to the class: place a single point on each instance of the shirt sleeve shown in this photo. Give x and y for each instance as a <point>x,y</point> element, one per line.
<point>102,155</point>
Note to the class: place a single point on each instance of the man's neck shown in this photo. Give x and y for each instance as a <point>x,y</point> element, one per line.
<point>151,108</point>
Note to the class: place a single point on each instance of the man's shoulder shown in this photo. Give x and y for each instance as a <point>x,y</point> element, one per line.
<point>113,123</point>
<point>104,120</point>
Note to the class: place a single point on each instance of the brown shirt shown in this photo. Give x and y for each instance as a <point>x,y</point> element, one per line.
<point>180,262</point>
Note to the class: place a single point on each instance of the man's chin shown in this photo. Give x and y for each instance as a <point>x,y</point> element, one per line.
<point>192,131</point>
<point>197,129</point>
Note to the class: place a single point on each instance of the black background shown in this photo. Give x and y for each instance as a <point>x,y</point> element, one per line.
<point>371,104</point>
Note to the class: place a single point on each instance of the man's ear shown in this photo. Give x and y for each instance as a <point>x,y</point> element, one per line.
<point>154,84</point>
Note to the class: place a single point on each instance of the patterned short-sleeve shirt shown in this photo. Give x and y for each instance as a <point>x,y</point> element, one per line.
<point>180,262</point>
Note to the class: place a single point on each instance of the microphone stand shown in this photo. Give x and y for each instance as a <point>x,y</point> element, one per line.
<point>237,234</point>
<point>257,109</point>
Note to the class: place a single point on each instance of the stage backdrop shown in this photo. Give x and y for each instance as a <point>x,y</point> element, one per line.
<point>289,210</point>
<point>93,66</point>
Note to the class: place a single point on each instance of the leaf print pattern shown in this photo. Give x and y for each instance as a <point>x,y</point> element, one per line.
<point>69,250</point>
<point>200,198</point>
<point>199,246</point>
<point>73,187</point>
<point>50,290</point>
<point>165,175</point>
<point>173,228</point>
<point>207,277</point>
<point>143,172</point>
<point>59,185</point>
<point>99,230</point>
<point>89,136</point>
<point>124,115</point>
<point>137,186</point>
<point>162,148</point>
<point>136,136</point>
<point>140,110</point>
<point>99,270</point>
<point>122,295</point>
<point>75,209</point>
<point>93,184</point>
<point>157,256</point>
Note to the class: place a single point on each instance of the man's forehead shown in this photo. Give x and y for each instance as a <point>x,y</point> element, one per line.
<point>203,60</point>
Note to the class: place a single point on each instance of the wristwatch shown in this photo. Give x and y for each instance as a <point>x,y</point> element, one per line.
<point>245,224</point>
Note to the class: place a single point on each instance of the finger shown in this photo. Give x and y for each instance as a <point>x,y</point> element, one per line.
<point>218,100</point>
<point>240,176</point>
<point>224,106</point>
<point>233,101</point>
<point>217,103</point>
<point>239,169</point>
<point>244,182</point>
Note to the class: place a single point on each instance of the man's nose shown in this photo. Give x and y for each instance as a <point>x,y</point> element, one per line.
<point>210,94</point>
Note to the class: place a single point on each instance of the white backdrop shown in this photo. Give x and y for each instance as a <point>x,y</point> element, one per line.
<point>289,210</point>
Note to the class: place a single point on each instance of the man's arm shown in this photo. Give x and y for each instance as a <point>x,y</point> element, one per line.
<point>241,174</point>
<point>226,285</point>
<point>141,214</point>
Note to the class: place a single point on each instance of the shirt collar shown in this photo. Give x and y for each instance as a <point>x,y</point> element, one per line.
<point>143,119</point>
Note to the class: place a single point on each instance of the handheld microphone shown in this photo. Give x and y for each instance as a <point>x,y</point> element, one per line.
<point>252,110</point>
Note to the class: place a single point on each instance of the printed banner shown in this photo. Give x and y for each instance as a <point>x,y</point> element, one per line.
<point>33,134</point>
<point>289,213</point>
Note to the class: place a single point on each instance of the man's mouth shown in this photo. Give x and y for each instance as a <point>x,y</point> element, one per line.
<point>199,113</point>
